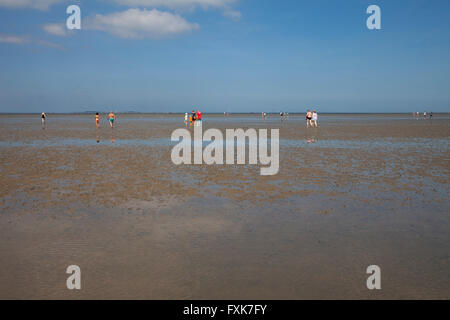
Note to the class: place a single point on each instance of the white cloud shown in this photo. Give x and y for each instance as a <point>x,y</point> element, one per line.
<point>12,39</point>
<point>136,23</point>
<point>232,14</point>
<point>33,4</point>
<point>56,29</point>
<point>49,44</point>
<point>183,4</point>
<point>176,3</point>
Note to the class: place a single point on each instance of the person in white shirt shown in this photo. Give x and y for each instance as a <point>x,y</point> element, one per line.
<point>43,118</point>
<point>314,119</point>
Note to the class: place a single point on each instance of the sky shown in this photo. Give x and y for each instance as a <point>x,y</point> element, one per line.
<point>224,55</point>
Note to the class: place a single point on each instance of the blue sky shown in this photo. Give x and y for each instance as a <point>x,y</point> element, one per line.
<point>224,55</point>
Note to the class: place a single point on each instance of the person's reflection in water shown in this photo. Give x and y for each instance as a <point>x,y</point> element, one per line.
<point>311,139</point>
<point>97,139</point>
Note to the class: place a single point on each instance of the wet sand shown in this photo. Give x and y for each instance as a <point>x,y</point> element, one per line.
<point>359,190</point>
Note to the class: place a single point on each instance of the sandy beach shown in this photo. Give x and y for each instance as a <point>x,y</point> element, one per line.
<point>356,191</point>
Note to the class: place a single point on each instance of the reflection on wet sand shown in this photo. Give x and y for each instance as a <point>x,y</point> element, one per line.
<point>97,138</point>
<point>311,137</point>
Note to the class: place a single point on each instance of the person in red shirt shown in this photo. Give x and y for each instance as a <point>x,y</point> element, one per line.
<point>199,115</point>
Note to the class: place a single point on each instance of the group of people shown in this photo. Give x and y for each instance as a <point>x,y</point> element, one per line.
<point>196,117</point>
<point>111,119</point>
<point>416,115</point>
<point>311,118</point>
<point>193,118</point>
<point>284,115</point>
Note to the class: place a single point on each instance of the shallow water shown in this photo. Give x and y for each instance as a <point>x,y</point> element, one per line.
<point>358,190</point>
<point>426,144</point>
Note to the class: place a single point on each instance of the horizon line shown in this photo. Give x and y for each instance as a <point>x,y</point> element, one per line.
<point>220,113</point>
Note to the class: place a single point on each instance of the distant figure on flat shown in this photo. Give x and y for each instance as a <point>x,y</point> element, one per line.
<point>97,119</point>
<point>111,117</point>
<point>193,115</point>
<point>43,117</point>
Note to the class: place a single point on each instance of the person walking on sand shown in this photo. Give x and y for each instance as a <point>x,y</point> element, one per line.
<point>186,118</point>
<point>314,119</point>
<point>112,118</point>
<point>199,117</point>
<point>43,117</point>
<point>424,115</point>
<point>97,119</point>
<point>193,117</point>
<point>308,118</point>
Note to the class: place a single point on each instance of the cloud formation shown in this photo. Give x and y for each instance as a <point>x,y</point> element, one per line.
<point>136,23</point>
<point>12,39</point>
<point>33,4</point>
<point>176,3</point>
<point>56,29</point>
<point>232,14</point>
<point>19,40</point>
<point>224,5</point>
<point>49,44</point>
